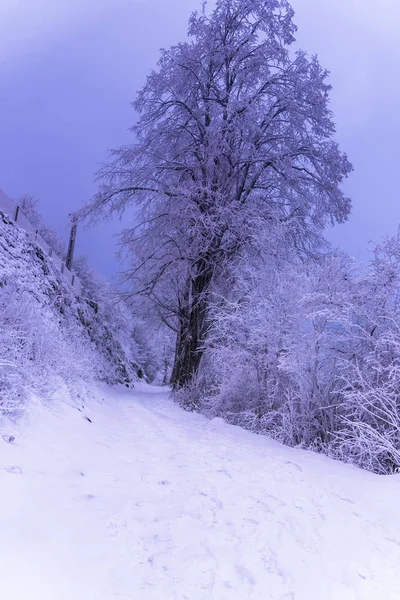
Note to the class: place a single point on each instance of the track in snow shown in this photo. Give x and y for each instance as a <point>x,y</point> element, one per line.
<point>148,502</point>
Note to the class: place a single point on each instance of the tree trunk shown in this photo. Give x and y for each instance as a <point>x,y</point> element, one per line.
<point>193,329</point>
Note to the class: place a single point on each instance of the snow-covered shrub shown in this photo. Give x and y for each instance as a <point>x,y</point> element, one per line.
<point>370,373</point>
<point>38,353</point>
<point>370,435</point>
<point>309,413</point>
<point>267,354</point>
<point>309,352</point>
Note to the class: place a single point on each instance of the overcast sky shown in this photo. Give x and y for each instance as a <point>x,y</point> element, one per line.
<point>70,68</point>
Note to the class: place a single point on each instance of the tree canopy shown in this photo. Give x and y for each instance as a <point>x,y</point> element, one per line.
<point>234,139</point>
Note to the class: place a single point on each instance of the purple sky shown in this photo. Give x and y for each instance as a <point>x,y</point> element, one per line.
<point>69,69</point>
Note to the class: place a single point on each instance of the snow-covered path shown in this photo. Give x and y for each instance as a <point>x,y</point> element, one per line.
<point>147,502</point>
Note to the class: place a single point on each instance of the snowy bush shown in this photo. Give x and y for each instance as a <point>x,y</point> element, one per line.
<point>267,353</point>
<point>37,353</point>
<point>370,409</point>
<point>309,353</point>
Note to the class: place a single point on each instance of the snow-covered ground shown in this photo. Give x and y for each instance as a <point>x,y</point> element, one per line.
<point>147,502</point>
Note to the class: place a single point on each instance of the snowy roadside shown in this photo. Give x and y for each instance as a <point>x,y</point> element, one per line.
<point>147,502</point>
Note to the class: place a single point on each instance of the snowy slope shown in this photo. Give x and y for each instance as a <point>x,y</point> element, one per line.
<point>25,267</point>
<point>148,502</point>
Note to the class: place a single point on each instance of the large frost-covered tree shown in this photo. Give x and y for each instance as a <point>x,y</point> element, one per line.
<point>234,138</point>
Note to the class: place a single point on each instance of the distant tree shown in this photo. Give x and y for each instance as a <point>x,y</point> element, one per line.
<point>29,205</point>
<point>234,138</point>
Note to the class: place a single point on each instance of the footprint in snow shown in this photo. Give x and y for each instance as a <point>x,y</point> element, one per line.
<point>15,470</point>
<point>343,499</point>
<point>244,574</point>
<point>224,472</point>
<point>295,465</point>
